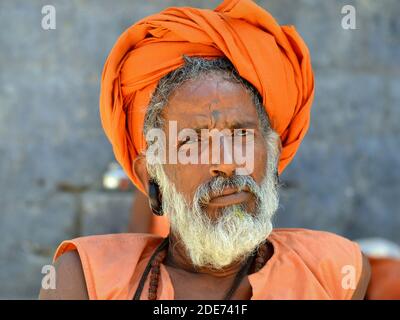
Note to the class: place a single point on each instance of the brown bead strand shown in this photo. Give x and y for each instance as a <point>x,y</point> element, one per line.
<point>155,274</point>
<point>261,256</point>
<point>155,268</point>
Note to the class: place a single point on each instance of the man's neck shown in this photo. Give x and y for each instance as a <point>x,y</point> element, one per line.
<point>178,258</point>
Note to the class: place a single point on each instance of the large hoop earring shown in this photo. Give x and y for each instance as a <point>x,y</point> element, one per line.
<point>155,198</point>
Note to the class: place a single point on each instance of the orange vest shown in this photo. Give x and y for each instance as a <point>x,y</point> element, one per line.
<point>159,225</point>
<point>305,264</point>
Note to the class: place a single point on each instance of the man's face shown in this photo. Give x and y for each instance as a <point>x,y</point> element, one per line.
<point>217,230</point>
<point>210,103</point>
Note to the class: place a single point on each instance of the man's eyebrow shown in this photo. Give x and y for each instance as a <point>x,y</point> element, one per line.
<point>233,125</point>
<point>243,124</point>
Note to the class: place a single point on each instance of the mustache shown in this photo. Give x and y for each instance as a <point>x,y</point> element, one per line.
<point>216,186</point>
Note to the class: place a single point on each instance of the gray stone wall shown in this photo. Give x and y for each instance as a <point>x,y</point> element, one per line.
<point>345,177</point>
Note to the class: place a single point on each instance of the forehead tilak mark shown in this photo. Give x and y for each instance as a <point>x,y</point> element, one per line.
<point>214,115</point>
<point>212,108</point>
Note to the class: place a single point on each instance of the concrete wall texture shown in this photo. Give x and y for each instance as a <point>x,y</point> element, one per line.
<point>345,177</point>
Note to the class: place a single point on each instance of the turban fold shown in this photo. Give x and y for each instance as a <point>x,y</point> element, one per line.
<point>271,57</point>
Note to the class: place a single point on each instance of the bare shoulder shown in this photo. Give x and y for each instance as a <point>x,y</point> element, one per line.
<point>70,279</point>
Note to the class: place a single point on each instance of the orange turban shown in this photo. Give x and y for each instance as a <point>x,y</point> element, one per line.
<point>273,58</point>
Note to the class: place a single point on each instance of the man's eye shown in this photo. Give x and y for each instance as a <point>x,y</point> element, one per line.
<point>190,140</point>
<point>241,132</point>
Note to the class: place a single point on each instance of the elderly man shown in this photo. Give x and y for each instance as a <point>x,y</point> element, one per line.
<point>232,70</point>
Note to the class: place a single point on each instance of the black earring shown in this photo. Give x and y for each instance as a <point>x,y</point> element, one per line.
<point>154,198</point>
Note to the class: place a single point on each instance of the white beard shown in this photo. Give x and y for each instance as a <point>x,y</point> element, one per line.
<point>236,233</point>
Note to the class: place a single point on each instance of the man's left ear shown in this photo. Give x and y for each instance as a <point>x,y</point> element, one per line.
<point>280,151</point>
<point>280,145</point>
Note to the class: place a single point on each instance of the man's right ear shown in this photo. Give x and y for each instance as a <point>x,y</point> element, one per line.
<point>140,171</point>
<point>151,187</point>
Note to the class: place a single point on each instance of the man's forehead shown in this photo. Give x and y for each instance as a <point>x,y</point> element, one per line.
<point>213,104</point>
<point>208,90</point>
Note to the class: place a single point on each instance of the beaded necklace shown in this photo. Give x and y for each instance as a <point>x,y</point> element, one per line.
<point>153,267</point>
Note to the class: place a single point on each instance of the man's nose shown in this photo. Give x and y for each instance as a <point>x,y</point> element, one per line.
<point>225,170</point>
<point>225,165</point>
